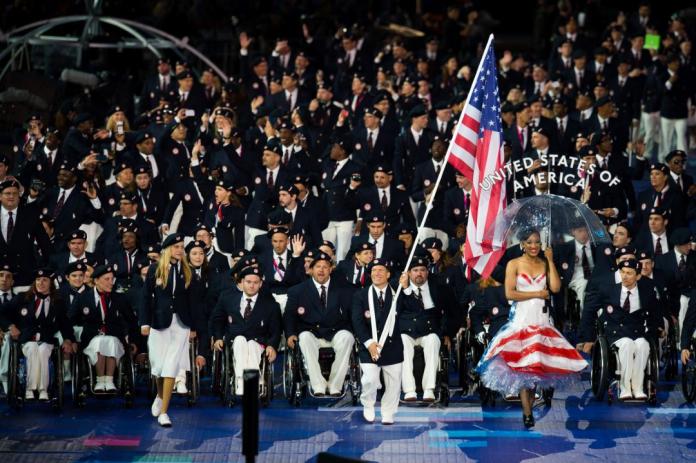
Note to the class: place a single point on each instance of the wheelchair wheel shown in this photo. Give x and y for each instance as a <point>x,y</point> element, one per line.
<point>58,382</point>
<point>671,356</point>
<point>355,376</point>
<point>192,376</point>
<point>81,379</point>
<point>653,374</point>
<point>267,375</point>
<point>688,378</point>
<point>126,373</point>
<point>288,368</point>
<point>599,376</point>
<point>547,395</point>
<point>461,353</point>
<point>296,382</point>
<point>443,376</point>
<point>486,395</point>
<point>216,386</point>
<point>228,385</point>
<point>15,395</point>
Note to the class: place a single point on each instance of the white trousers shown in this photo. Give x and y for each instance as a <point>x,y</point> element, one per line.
<point>37,356</point>
<point>650,129</point>
<point>683,306</point>
<point>340,234</point>
<point>5,360</point>
<point>633,358</point>
<point>579,285</point>
<point>428,232</point>
<point>392,387</point>
<point>431,354</point>
<point>250,233</point>
<point>246,355</point>
<point>342,344</point>
<point>673,132</point>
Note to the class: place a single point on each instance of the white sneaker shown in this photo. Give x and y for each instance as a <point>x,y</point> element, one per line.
<point>156,408</point>
<point>181,388</point>
<point>164,421</point>
<point>639,395</point>
<point>386,419</point>
<point>625,395</point>
<point>99,386</point>
<point>109,385</point>
<point>43,395</point>
<point>29,395</point>
<point>369,414</point>
<point>410,397</point>
<point>428,395</point>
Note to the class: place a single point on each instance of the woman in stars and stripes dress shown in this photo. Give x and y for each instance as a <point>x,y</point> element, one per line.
<point>528,351</point>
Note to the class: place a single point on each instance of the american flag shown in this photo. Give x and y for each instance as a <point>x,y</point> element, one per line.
<point>477,152</point>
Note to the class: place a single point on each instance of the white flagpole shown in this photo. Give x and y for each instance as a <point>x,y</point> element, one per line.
<point>389,324</point>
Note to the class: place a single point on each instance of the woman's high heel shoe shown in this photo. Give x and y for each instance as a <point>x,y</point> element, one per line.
<point>528,421</point>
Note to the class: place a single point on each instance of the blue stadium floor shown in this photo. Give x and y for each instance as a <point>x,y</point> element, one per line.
<point>574,428</point>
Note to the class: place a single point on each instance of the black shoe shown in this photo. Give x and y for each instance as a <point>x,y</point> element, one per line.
<point>528,421</point>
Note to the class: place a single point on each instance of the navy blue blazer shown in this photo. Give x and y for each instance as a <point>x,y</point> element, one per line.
<point>21,310</point>
<point>618,323</point>
<point>304,311</point>
<point>120,318</point>
<point>263,326</point>
<point>417,321</point>
<point>159,304</point>
<point>393,350</point>
<point>489,304</point>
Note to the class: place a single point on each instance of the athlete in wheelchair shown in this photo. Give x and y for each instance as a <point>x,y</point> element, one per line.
<point>102,365</point>
<point>319,338</point>
<point>489,311</point>
<point>667,343</point>
<point>33,319</point>
<point>246,326</point>
<point>423,319</point>
<point>623,345</point>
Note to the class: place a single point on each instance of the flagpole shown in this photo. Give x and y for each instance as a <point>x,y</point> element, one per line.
<point>389,325</point>
<point>429,205</point>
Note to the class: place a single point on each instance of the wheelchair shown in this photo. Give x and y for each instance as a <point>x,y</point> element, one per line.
<point>605,375</point>
<point>442,395</point>
<point>572,311</point>
<point>193,380</point>
<point>296,379</point>
<point>669,353</point>
<point>224,384</point>
<point>16,376</point>
<point>469,353</point>
<point>688,375</point>
<point>84,377</point>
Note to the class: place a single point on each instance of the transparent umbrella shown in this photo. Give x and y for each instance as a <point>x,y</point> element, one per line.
<point>554,217</point>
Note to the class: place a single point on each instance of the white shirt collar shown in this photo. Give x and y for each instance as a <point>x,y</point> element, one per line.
<point>318,286</point>
<point>663,235</point>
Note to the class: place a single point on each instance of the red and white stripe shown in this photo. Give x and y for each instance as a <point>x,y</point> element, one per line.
<point>538,349</point>
<point>477,158</point>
